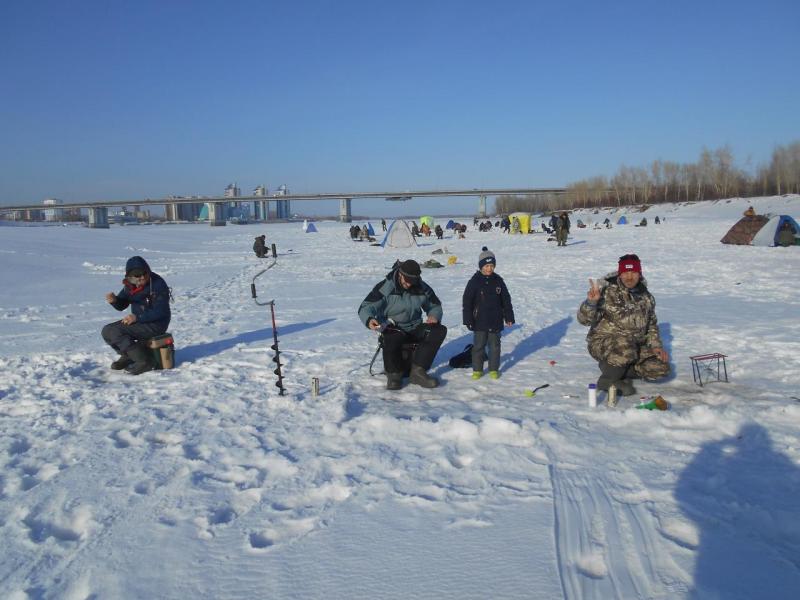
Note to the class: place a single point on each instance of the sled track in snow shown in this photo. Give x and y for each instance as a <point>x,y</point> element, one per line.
<point>607,536</point>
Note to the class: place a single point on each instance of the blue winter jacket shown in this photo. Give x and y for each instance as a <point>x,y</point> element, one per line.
<point>486,303</point>
<point>389,300</point>
<point>151,303</point>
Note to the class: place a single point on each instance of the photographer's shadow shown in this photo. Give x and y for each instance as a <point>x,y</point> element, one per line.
<point>743,497</point>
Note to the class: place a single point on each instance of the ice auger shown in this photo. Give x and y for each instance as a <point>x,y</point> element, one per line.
<point>271,304</point>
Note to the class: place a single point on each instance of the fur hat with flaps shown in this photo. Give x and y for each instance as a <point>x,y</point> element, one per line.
<point>410,270</point>
<point>486,258</point>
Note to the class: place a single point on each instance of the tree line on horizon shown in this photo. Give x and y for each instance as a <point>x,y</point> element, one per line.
<point>713,177</point>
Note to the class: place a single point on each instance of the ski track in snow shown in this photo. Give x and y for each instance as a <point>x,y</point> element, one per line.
<point>206,466</point>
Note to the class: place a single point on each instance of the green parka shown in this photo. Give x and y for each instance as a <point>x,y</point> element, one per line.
<point>389,300</point>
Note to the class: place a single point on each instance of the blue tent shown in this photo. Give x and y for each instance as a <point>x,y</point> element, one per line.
<point>311,228</point>
<point>622,220</point>
<point>768,234</point>
<point>450,224</point>
<point>370,230</point>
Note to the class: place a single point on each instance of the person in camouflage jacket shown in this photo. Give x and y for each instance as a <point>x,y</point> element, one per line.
<point>623,335</point>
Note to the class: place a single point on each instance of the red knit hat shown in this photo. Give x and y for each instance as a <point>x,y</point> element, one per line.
<point>629,263</point>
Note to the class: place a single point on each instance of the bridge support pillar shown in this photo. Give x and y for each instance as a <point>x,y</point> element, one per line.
<point>345,216</point>
<point>262,210</point>
<point>216,214</point>
<point>283,209</point>
<point>98,217</point>
<point>482,207</point>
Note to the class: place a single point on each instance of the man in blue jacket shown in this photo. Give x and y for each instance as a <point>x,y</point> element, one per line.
<point>148,296</point>
<point>394,306</point>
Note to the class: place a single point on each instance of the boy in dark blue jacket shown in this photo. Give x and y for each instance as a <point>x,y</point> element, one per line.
<point>148,296</point>
<point>486,306</point>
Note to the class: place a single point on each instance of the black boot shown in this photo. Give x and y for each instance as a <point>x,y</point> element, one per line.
<point>122,362</point>
<point>625,387</point>
<point>394,381</point>
<point>142,360</point>
<point>609,376</point>
<point>420,377</point>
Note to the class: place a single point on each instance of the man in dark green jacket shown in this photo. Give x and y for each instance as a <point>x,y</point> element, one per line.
<point>394,307</point>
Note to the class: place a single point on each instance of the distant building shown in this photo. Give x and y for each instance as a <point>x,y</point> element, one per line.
<point>282,207</point>
<point>183,212</point>
<point>261,207</point>
<point>29,214</point>
<point>53,214</point>
<point>232,191</point>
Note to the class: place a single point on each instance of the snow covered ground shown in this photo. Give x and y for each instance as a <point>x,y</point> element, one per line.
<point>203,482</point>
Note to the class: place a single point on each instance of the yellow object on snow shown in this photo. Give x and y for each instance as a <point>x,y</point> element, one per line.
<point>524,221</point>
<point>451,260</point>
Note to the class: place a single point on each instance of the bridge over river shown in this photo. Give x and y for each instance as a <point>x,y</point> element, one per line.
<point>98,210</point>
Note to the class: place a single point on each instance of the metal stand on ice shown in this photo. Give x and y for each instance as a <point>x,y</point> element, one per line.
<point>271,304</point>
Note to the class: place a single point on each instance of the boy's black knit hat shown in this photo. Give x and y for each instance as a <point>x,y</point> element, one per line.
<point>486,258</point>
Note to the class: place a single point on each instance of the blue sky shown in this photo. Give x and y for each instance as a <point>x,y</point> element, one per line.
<point>127,100</point>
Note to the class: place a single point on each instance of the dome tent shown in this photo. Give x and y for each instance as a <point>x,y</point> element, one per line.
<point>744,230</point>
<point>622,220</point>
<point>398,235</point>
<point>768,234</point>
<point>427,220</point>
<point>524,221</point>
<point>370,230</point>
<point>450,224</point>
<point>310,228</point>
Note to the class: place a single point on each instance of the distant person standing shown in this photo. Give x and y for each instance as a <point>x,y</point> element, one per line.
<point>562,229</point>
<point>383,224</point>
<point>486,306</point>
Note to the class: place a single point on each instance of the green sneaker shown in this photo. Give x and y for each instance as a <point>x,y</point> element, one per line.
<point>477,374</point>
<point>494,374</point>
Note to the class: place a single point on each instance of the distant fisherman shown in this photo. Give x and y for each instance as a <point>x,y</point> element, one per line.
<point>260,246</point>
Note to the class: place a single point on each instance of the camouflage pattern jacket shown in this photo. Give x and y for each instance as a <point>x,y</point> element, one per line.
<point>623,323</point>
